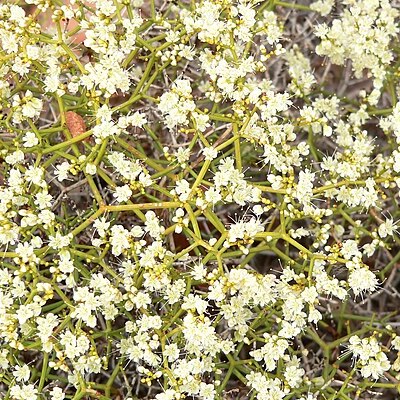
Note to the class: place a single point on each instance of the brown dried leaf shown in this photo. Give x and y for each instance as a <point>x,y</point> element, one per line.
<point>75,123</point>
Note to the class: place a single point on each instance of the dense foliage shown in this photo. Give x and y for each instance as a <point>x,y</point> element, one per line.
<point>199,199</point>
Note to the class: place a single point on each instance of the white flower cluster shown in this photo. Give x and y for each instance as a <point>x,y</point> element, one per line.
<point>300,71</point>
<point>230,186</point>
<point>243,233</point>
<point>178,106</point>
<point>131,171</point>
<point>362,34</point>
<point>224,203</point>
<point>26,107</point>
<point>372,361</point>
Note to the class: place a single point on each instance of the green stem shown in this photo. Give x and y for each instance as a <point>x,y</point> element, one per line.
<point>43,375</point>
<point>292,5</point>
<point>69,142</point>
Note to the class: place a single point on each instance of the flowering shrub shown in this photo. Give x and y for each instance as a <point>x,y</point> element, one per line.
<point>199,199</point>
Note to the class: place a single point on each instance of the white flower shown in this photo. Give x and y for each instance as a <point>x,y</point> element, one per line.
<point>43,200</point>
<point>243,231</point>
<point>199,272</point>
<point>387,228</point>
<point>201,121</point>
<point>25,252</point>
<point>105,129</point>
<point>376,366</point>
<point>177,104</point>
<point>59,241</point>
<point>22,374</point>
<point>34,175</point>
<point>101,225</point>
<point>119,239</point>
<point>91,169</point>
<point>137,119</point>
<point>210,153</point>
<point>350,249</point>
<point>32,107</point>
<point>323,7</point>
<point>30,139</point>
<point>15,158</point>
<point>171,352</point>
<point>182,189</point>
<point>4,363</point>
<point>273,350</point>
<point>168,394</point>
<point>358,35</point>
<point>372,359</point>
<point>122,193</point>
<point>24,392</point>
<point>361,279</point>
<point>193,302</point>
<point>182,155</point>
<point>207,391</point>
<point>293,373</point>
<point>179,220</point>
<point>153,226</point>
<point>57,394</point>
<point>62,170</point>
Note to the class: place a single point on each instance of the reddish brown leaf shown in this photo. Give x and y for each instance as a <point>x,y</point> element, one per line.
<point>75,123</point>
